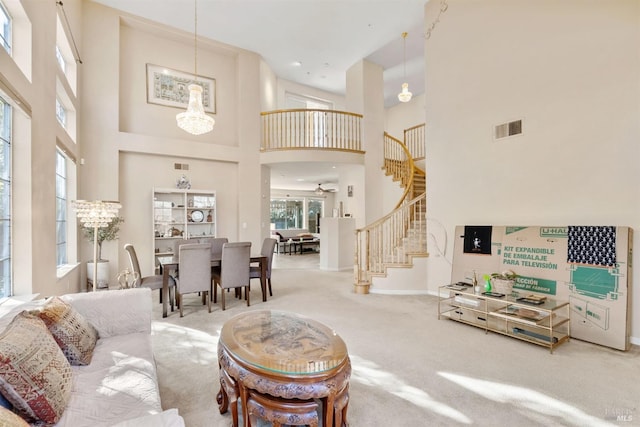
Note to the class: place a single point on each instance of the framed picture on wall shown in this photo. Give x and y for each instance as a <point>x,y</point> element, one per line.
<point>171,88</point>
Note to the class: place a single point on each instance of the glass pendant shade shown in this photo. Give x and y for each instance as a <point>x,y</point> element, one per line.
<point>405,95</point>
<point>194,120</point>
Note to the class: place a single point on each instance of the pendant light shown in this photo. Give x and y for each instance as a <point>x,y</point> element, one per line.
<point>405,95</point>
<point>194,120</point>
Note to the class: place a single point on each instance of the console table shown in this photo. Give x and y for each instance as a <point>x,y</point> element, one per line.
<point>546,324</point>
<point>283,355</point>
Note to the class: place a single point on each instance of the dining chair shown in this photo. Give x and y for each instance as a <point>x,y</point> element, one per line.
<point>154,281</point>
<point>268,247</point>
<point>175,244</point>
<point>216,244</point>
<point>234,270</point>
<point>194,272</point>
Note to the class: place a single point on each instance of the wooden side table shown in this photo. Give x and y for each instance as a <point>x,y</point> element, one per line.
<point>284,355</point>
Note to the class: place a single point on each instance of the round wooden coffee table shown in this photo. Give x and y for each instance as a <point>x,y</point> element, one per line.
<point>284,355</point>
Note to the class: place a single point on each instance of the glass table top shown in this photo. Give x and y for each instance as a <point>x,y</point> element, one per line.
<point>283,342</point>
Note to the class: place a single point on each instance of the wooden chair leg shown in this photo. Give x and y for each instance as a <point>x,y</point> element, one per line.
<point>246,293</point>
<point>269,282</point>
<point>179,298</point>
<point>208,301</point>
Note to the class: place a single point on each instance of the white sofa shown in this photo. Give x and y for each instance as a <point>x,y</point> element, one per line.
<point>119,386</point>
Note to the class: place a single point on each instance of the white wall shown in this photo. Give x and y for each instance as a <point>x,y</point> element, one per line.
<point>130,146</point>
<point>404,116</point>
<point>570,70</point>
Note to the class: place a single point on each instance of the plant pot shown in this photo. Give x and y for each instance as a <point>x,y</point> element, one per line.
<point>502,286</point>
<point>103,274</point>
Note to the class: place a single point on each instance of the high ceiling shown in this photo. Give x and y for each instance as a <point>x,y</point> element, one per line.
<point>326,37</point>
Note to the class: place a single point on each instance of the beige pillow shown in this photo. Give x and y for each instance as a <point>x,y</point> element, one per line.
<point>34,374</point>
<point>73,333</point>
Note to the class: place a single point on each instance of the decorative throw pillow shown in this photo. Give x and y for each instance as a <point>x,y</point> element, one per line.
<point>73,333</point>
<point>34,374</point>
<point>9,419</point>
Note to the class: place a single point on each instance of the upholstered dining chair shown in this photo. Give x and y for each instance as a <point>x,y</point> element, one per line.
<point>234,270</point>
<point>194,272</point>
<point>154,281</point>
<point>179,242</point>
<point>268,246</point>
<point>216,244</point>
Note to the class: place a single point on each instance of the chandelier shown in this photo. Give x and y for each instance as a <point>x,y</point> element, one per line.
<point>194,120</point>
<point>405,95</point>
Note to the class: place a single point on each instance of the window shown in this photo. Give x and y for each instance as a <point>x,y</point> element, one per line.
<point>61,113</point>
<point>296,213</point>
<point>60,59</point>
<point>5,29</point>
<point>61,209</point>
<point>5,198</point>
<point>315,213</point>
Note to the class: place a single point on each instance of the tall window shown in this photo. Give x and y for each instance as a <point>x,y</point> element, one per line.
<point>5,29</point>
<point>60,59</point>
<point>61,209</point>
<point>5,198</point>
<point>314,215</point>
<point>61,113</point>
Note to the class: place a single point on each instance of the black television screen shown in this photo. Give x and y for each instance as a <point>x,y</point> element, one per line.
<point>477,239</point>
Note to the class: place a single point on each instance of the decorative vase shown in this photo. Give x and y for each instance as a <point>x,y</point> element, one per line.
<point>103,273</point>
<point>503,286</point>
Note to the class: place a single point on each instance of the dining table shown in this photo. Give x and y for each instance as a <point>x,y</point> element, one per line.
<point>169,263</point>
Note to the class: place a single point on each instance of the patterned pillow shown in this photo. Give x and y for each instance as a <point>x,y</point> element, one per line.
<point>9,419</point>
<point>34,374</point>
<point>73,333</point>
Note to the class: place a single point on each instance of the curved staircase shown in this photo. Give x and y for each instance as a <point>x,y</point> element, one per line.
<point>396,239</point>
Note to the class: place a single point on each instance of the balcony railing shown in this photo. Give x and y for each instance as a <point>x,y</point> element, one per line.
<point>311,129</point>
<point>414,140</point>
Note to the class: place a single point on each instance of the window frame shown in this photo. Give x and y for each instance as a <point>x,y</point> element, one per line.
<point>62,208</point>
<point>7,30</point>
<point>6,230</point>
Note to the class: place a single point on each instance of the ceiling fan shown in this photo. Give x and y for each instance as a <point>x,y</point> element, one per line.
<point>320,191</point>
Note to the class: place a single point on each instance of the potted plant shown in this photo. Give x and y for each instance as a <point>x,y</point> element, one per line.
<point>110,232</point>
<point>503,282</point>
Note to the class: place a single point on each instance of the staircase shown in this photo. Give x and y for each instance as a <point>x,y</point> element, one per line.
<point>401,235</point>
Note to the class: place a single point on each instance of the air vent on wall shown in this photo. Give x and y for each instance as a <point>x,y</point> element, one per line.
<point>181,166</point>
<point>508,129</point>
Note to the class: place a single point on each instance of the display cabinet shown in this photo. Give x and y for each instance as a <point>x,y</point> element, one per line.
<point>182,214</point>
<point>543,321</point>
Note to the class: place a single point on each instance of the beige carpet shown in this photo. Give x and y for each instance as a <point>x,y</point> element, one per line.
<point>409,369</point>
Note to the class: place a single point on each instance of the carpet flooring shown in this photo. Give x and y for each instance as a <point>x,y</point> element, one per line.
<point>409,368</point>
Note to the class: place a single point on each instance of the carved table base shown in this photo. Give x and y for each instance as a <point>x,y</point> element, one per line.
<point>331,387</point>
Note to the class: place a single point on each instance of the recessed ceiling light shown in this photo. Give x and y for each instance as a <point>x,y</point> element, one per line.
<point>300,179</point>
<point>297,64</point>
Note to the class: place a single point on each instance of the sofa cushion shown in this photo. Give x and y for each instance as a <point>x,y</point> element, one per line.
<point>35,376</point>
<point>10,419</point>
<point>117,312</point>
<point>119,384</point>
<point>75,336</point>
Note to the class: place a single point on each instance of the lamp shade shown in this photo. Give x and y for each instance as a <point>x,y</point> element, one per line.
<point>96,213</point>
<point>194,120</point>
